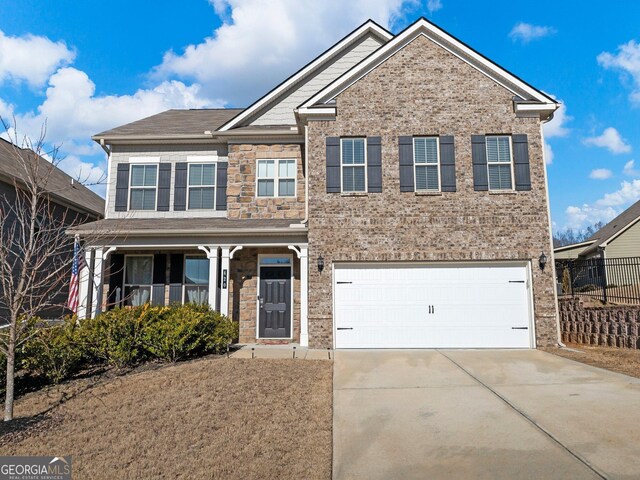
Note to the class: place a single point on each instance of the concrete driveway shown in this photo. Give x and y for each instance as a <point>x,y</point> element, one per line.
<point>503,414</point>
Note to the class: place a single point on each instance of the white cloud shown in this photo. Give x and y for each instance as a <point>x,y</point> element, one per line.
<point>630,170</point>
<point>611,140</point>
<point>548,153</point>
<point>434,5</point>
<point>600,174</point>
<point>525,32</point>
<point>606,208</point>
<point>260,44</point>
<point>73,112</point>
<point>31,58</point>
<point>93,176</point>
<point>557,126</point>
<point>627,59</point>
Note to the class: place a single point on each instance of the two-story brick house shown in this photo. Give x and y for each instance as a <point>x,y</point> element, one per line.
<point>391,193</point>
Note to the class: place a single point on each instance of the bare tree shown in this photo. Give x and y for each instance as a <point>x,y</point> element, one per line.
<point>35,252</point>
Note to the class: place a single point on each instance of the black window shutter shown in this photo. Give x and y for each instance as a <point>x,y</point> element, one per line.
<point>447,164</point>
<point>180,187</point>
<point>521,162</point>
<point>479,160</point>
<point>405,145</point>
<point>221,186</point>
<point>374,164</point>
<point>116,275</point>
<point>160,268</point>
<point>164,186</point>
<point>333,165</point>
<point>176,270</point>
<point>122,187</point>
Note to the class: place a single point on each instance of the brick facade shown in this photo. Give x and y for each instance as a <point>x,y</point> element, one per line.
<point>242,201</point>
<point>425,90</point>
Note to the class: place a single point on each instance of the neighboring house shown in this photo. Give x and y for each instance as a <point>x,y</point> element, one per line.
<point>391,193</point>
<point>619,238</point>
<point>70,199</point>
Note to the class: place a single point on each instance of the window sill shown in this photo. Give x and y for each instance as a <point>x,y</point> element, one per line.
<point>502,192</point>
<point>428,194</point>
<point>354,194</point>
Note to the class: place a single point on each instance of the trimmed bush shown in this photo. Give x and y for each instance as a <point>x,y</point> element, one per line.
<point>53,352</point>
<point>186,331</point>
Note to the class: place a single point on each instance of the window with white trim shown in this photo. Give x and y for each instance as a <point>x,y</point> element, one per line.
<point>499,162</point>
<point>138,279</point>
<point>196,280</point>
<point>426,160</point>
<point>143,187</point>
<point>201,186</point>
<point>276,178</point>
<point>353,165</point>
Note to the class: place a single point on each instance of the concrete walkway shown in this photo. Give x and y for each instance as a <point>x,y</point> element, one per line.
<point>507,414</point>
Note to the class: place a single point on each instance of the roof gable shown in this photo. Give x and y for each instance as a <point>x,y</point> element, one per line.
<point>528,97</point>
<point>615,227</point>
<point>357,38</point>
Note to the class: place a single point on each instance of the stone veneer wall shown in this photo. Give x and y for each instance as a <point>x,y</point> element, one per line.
<point>424,90</point>
<point>610,326</point>
<point>242,201</point>
<point>243,293</point>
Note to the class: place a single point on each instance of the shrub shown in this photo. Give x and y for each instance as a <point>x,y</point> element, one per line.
<point>114,337</point>
<point>53,351</point>
<point>184,331</point>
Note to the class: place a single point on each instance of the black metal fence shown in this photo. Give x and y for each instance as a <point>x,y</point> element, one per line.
<point>610,280</point>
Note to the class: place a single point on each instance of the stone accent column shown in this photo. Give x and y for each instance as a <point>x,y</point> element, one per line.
<point>224,290</point>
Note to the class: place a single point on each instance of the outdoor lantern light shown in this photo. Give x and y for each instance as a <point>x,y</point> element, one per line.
<point>320,263</point>
<point>542,260</point>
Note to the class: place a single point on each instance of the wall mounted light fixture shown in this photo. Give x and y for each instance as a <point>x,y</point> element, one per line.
<point>320,263</point>
<point>542,260</point>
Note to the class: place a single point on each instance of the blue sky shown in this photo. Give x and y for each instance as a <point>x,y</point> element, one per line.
<point>90,66</point>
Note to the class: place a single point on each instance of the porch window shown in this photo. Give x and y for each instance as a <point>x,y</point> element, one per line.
<point>276,178</point>
<point>196,280</point>
<point>138,276</point>
<point>144,183</point>
<point>202,182</point>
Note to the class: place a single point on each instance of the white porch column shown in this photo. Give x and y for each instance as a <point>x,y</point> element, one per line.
<point>224,281</point>
<point>304,297</point>
<point>83,286</point>
<point>96,300</point>
<point>212,255</point>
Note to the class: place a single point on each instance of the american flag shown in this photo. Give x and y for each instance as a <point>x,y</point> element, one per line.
<point>77,265</point>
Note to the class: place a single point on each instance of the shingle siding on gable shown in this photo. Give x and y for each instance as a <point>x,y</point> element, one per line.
<point>282,112</point>
<point>434,93</point>
<point>167,153</point>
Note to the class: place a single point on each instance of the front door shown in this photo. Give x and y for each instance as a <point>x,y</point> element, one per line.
<point>274,299</point>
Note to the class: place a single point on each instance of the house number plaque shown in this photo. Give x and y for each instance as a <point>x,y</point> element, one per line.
<point>224,278</point>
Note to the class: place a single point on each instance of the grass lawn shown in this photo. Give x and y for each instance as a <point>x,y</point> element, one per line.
<point>209,418</point>
<point>621,360</point>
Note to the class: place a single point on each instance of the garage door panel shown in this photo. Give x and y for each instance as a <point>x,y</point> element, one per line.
<point>431,307</point>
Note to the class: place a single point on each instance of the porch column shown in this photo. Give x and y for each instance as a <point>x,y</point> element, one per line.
<point>212,255</point>
<point>224,281</point>
<point>84,278</point>
<point>96,300</point>
<point>304,297</point>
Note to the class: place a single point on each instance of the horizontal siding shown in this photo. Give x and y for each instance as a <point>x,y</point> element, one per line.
<point>570,253</point>
<point>167,153</point>
<point>626,245</point>
<point>282,112</point>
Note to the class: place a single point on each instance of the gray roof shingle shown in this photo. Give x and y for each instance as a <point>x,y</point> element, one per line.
<point>59,184</point>
<point>613,227</point>
<point>175,122</point>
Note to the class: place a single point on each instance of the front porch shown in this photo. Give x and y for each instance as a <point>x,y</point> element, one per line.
<point>259,281</point>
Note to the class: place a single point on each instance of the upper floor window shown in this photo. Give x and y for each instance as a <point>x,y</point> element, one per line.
<point>144,185</point>
<point>276,178</point>
<point>426,159</point>
<point>202,186</point>
<point>499,161</point>
<point>353,165</point>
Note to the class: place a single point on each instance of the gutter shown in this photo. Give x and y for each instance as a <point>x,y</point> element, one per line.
<point>199,136</point>
<point>190,232</point>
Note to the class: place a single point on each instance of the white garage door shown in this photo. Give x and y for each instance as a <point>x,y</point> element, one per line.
<point>417,306</point>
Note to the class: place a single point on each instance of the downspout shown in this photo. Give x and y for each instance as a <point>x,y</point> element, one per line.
<point>553,261</point>
<point>306,175</point>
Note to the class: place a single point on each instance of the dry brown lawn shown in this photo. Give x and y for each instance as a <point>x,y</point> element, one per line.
<point>619,360</point>
<point>209,418</point>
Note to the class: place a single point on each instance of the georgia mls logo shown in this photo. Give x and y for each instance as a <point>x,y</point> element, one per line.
<point>35,468</point>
